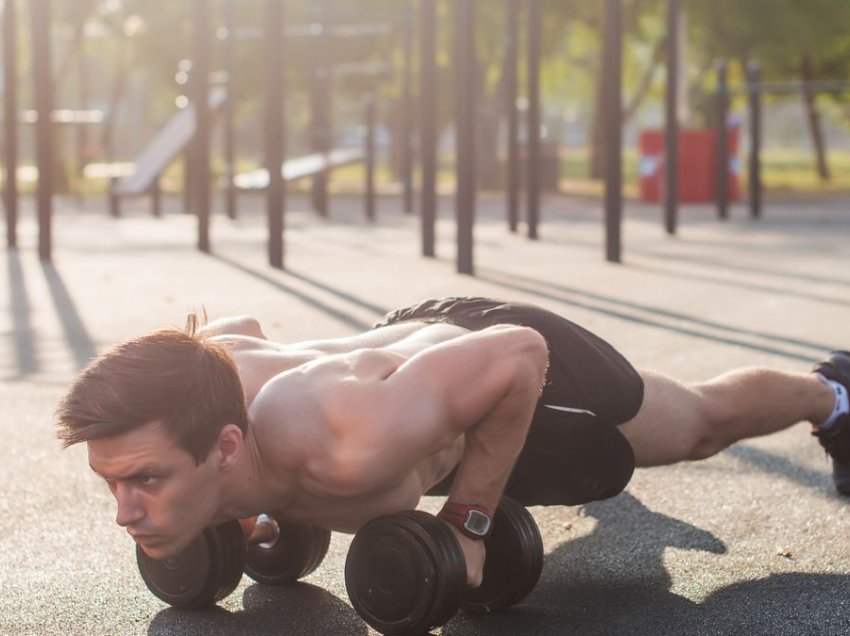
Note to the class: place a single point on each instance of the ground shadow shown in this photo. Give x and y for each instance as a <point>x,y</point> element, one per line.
<point>614,582</point>
<point>301,609</point>
<point>721,263</point>
<point>694,326</point>
<point>344,318</point>
<point>819,481</point>
<point>354,300</point>
<point>26,360</point>
<point>836,300</point>
<point>611,581</point>
<point>77,336</point>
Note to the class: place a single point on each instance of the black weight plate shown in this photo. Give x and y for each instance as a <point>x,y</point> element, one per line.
<point>297,551</point>
<point>514,561</point>
<point>189,579</point>
<point>204,572</point>
<point>405,573</point>
<point>532,546</point>
<point>232,548</point>
<point>453,572</point>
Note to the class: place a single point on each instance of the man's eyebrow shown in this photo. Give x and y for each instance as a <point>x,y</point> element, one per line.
<point>147,469</point>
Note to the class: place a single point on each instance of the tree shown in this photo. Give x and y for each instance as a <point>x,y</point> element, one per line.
<point>807,40</point>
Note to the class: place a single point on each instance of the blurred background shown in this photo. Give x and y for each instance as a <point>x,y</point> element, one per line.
<point>125,67</point>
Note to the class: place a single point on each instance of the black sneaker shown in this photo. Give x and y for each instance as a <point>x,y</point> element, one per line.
<point>836,438</point>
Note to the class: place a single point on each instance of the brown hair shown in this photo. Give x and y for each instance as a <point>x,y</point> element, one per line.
<point>179,378</point>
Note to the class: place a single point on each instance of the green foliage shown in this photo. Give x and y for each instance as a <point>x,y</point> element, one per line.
<point>149,38</point>
<point>777,33</point>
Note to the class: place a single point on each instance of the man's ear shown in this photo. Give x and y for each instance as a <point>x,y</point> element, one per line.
<point>230,444</point>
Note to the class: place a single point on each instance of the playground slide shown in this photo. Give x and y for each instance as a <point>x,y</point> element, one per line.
<point>171,140</point>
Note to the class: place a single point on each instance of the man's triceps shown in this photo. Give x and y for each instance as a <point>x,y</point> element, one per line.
<point>466,387</point>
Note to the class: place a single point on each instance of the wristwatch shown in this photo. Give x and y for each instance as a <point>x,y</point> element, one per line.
<point>476,522</point>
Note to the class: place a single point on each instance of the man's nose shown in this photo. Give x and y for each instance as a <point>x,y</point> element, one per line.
<point>129,508</point>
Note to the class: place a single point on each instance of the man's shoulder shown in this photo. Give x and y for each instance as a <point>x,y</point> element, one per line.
<point>308,397</point>
<point>304,425</point>
<point>283,397</point>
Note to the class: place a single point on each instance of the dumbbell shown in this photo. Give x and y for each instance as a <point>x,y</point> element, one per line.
<point>210,567</point>
<point>291,552</point>
<point>405,573</point>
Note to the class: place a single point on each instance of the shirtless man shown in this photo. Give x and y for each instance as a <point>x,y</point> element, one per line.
<point>469,398</point>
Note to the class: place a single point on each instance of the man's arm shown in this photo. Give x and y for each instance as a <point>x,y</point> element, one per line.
<point>483,385</point>
<point>383,414</point>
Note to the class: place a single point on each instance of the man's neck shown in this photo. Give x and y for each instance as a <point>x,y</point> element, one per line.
<point>249,489</point>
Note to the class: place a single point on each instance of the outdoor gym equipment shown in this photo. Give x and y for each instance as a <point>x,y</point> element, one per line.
<point>210,567</point>
<point>404,573</point>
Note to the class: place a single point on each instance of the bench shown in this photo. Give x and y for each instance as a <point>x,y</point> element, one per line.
<point>300,168</point>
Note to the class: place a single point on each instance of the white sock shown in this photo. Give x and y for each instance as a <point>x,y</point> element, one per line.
<point>842,402</point>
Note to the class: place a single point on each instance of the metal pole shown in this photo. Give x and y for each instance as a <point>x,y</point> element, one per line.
<point>613,128</point>
<point>465,121</point>
<point>754,86</point>
<point>188,173</point>
<point>229,108</point>
<point>82,137</point>
<point>428,121</point>
<point>275,130</point>
<point>156,199</point>
<point>532,178</point>
<point>201,147</point>
<point>722,141</point>
<point>41,20</point>
<point>511,89</point>
<point>407,107</point>
<point>321,98</point>
<point>370,159</point>
<point>10,101</point>
<point>671,155</point>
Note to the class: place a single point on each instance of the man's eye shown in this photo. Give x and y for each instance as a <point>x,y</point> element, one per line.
<point>146,480</point>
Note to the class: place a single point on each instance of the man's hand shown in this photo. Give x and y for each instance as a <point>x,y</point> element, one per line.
<point>248,524</point>
<point>474,552</point>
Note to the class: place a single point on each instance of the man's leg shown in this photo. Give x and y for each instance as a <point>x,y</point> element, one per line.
<point>679,422</point>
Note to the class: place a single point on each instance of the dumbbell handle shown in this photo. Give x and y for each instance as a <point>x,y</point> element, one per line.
<point>265,531</point>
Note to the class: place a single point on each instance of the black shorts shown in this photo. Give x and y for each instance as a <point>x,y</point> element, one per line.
<point>574,452</point>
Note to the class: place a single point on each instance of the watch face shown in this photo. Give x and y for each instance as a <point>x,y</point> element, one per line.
<point>477,522</point>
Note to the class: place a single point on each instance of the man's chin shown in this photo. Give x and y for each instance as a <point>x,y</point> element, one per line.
<point>160,548</point>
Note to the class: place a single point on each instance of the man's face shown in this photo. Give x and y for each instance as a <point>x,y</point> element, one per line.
<point>164,498</point>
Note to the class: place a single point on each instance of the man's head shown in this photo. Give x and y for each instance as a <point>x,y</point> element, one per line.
<point>179,378</point>
<point>162,415</point>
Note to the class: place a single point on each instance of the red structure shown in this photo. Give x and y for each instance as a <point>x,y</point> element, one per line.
<point>697,165</point>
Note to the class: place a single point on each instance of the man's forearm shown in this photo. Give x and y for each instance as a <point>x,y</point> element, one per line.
<point>493,444</point>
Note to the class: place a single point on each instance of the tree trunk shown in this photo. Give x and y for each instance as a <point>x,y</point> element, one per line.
<point>813,116</point>
<point>646,81</point>
<point>597,159</point>
<point>489,119</point>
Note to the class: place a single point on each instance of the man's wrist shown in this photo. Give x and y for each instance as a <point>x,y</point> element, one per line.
<point>473,521</point>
